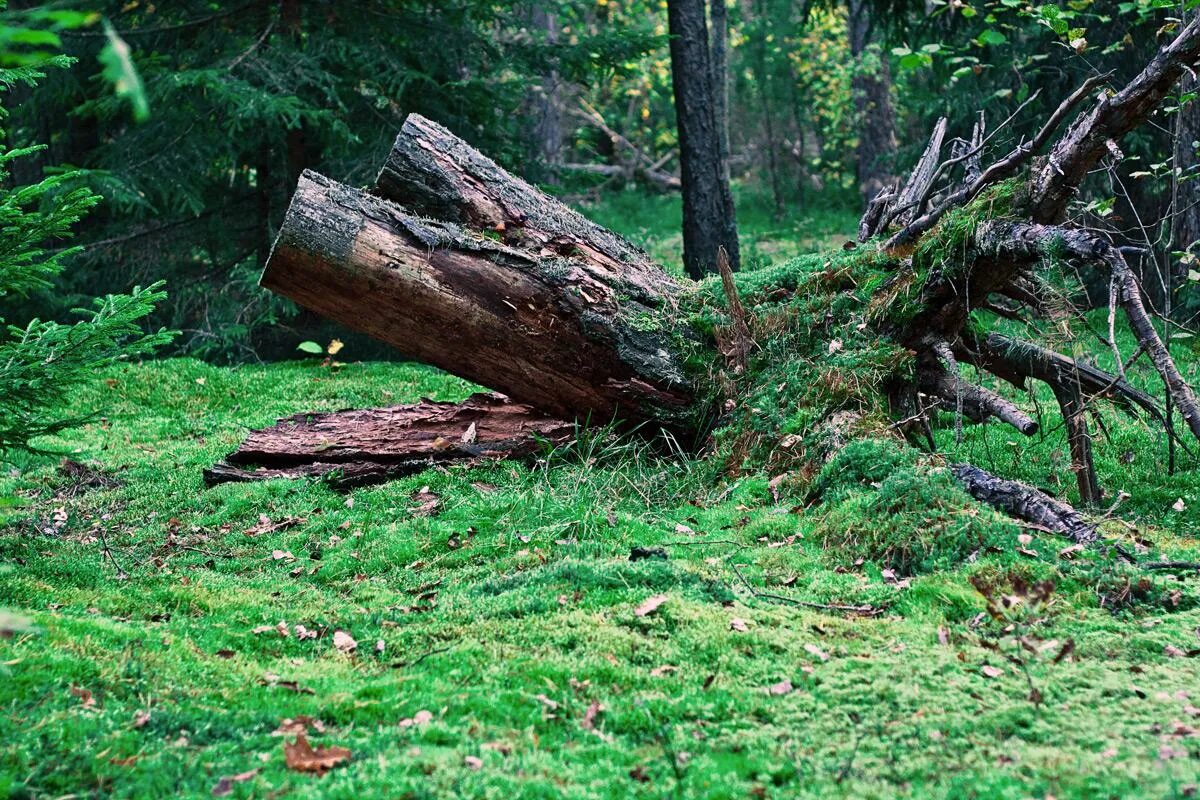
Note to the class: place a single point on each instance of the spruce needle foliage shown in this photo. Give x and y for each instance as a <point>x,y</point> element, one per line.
<point>41,361</point>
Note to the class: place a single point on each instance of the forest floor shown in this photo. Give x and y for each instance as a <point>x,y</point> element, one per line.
<point>508,646</point>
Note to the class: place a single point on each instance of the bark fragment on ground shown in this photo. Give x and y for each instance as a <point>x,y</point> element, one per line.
<point>358,447</point>
<point>1024,502</point>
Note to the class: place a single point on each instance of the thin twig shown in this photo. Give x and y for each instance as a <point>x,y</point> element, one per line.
<point>121,573</point>
<point>866,611</point>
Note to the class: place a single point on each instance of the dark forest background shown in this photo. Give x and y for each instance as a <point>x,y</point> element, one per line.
<point>823,104</point>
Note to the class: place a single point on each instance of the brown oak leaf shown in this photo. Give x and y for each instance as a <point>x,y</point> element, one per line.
<point>302,757</point>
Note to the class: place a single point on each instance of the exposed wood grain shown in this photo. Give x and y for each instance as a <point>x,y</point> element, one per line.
<point>356,447</point>
<point>561,330</point>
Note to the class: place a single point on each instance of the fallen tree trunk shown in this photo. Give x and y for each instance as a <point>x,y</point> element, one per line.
<point>459,264</point>
<point>489,278</point>
<point>359,447</point>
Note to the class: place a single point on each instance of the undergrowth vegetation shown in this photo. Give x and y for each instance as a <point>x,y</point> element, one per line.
<point>869,632</point>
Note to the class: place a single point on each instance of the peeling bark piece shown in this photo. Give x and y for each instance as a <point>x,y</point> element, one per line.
<point>570,332</point>
<point>358,447</point>
<point>1025,503</point>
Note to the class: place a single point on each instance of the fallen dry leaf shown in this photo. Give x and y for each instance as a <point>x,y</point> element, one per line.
<point>298,725</point>
<point>225,785</point>
<point>271,679</point>
<point>265,525</point>
<point>816,652</point>
<point>427,503</point>
<point>301,757</point>
<point>422,717</point>
<point>344,642</point>
<point>650,605</point>
<point>85,696</point>
<point>589,717</point>
<point>990,671</point>
<point>1070,551</point>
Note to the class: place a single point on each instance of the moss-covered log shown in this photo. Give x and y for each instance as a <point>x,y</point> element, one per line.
<point>459,264</point>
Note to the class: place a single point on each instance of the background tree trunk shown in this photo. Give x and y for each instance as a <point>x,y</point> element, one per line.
<point>1185,233</point>
<point>719,19</point>
<point>296,147</point>
<point>708,220</point>
<point>871,87</point>
<point>546,124</point>
<point>762,80</point>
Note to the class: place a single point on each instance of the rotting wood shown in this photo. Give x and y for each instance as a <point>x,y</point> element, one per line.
<point>358,447</point>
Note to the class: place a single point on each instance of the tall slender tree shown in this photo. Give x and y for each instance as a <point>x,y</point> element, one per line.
<point>545,100</point>
<point>1185,230</point>
<point>718,19</point>
<point>872,90</point>
<point>709,222</point>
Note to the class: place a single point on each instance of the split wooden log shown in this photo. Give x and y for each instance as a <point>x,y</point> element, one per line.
<point>547,312</point>
<point>357,447</point>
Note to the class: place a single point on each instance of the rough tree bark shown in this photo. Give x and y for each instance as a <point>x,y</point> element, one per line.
<point>708,220</point>
<point>871,88</point>
<point>718,17</point>
<point>507,287</point>
<point>355,448</point>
